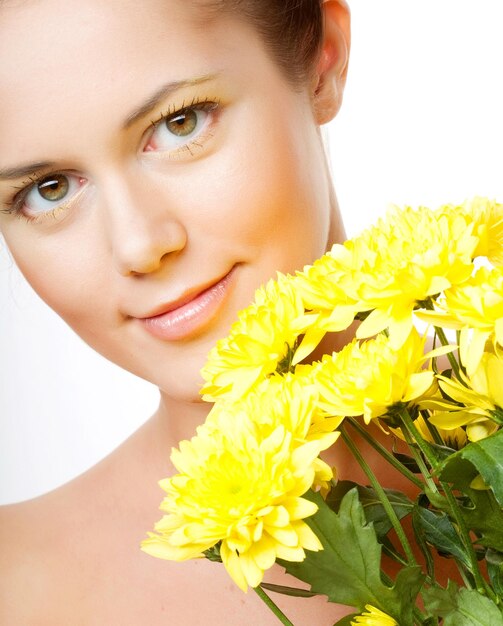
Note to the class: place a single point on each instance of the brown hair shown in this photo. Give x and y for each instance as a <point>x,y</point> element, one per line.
<point>292,30</point>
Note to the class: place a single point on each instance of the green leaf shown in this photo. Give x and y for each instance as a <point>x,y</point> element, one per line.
<point>482,512</point>
<point>421,539</point>
<point>441,452</point>
<point>439,601</point>
<point>372,507</point>
<point>438,530</point>
<point>485,517</point>
<point>347,620</point>
<point>461,607</point>
<point>348,569</point>
<point>486,456</point>
<point>473,609</point>
<point>495,570</point>
<point>288,591</point>
<point>408,461</point>
<point>337,493</point>
<point>437,500</point>
<point>213,553</point>
<point>407,585</point>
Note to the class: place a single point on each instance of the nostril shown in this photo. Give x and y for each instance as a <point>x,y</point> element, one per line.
<point>145,252</point>
<point>143,230</point>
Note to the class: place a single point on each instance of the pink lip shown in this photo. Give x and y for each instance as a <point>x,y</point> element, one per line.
<point>180,319</point>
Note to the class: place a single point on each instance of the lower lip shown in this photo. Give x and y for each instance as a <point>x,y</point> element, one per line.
<point>192,317</point>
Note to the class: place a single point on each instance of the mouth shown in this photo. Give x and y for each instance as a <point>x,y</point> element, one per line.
<point>190,314</point>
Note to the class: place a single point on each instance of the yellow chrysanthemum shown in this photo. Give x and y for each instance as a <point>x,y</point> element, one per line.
<point>263,336</point>
<point>242,490</point>
<point>292,403</point>
<point>368,378</point>
<point>475,308</point>
<point>488,218</point>
<point>373,617</point>
<point>455,439</point>
<point>405,259</point>
<point>322,287</point>
<point>481,397</point>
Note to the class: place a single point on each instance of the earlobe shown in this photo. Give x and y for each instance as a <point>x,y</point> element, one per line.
<point>332,64</point>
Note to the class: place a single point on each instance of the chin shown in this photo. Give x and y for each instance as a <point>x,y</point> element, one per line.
<point>182,389</point>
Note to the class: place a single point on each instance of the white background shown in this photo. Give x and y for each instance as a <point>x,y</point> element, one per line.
<point>421,124</point>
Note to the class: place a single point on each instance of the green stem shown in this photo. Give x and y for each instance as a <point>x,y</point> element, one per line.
<point>432,429</point>
<point>418,458</point>
<point>443,340</point>
<point>411,430</point>
<point>452,359</point>
<point>275,609</point>
<point>430,563</point>
<point>385,453</point>
<point>418,439</point>
<point>382,497</point>
<point>464,576</point>
<point>464,534</point>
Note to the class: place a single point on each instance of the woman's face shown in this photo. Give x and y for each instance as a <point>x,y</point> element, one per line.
<point>154,170</point>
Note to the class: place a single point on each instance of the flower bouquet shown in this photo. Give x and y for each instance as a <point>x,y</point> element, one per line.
<point>252,488</point>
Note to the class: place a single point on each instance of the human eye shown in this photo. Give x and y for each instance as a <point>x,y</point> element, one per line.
<point>184,130</point>
<point>46,195</point>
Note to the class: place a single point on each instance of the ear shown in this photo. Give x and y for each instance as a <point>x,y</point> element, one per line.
<point>331,70</point>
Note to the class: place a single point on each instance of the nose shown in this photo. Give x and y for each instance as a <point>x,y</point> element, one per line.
<point>142,229</point>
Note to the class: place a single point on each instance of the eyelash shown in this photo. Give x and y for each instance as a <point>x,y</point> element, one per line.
<point>196,104</point>
<point>14,204</point>
<point>200,104</point>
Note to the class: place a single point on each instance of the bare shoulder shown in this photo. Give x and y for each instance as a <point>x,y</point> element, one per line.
<point>56,549</point>
<point>41,563</point>
<point>25,563</point>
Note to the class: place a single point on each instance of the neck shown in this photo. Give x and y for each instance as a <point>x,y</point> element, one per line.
<point>181,418</point>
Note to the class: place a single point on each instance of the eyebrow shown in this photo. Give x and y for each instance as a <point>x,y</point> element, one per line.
<point>163,92</point>
<point>11,173</point>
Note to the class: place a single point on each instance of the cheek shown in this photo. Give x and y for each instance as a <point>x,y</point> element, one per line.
<point>64,274</point>
<point>273,200</point>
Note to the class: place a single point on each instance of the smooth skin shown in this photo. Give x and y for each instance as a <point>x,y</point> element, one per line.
<point>145,217</point>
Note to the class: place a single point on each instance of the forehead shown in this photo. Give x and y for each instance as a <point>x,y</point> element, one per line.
<point>45,41</point>
<point>60,56</point>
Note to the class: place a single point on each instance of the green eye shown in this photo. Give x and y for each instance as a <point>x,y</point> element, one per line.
<point>53,188</point>
<point>183,124</point>
<point>182,129</point>
<point>49,193</point>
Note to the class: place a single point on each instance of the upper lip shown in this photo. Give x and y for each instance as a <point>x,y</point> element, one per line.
<point>185,298</point>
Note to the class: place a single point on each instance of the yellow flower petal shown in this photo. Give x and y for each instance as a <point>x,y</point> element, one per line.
<point>449,420</point>
<point>300,508</point>
<point>264,553</point>
<point>286,536</point>
<point>418,385</point>
<point>372,616</point>
<point>163,550</point>
<point>251,571</point>
<point>232,564</point>
<point>258,341</point>
<point>287,553</point>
